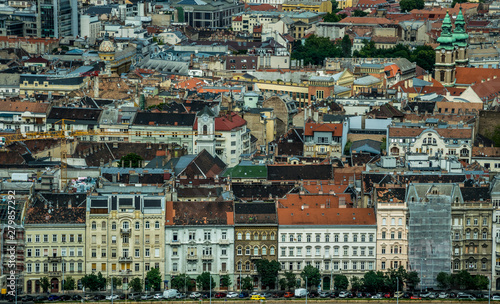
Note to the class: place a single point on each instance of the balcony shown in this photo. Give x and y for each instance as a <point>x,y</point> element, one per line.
<point>223,272</point>
<point>54,259</point>
<point>126,259</point>
<point>497,267</point>
<point>175,243</point>
<point>54,273</point>
<point>125,231</point>
<point>192,257</point>
<point>256,257</point>
<point>125,271</point>
<point>207,257</point>
<point>224,242</point>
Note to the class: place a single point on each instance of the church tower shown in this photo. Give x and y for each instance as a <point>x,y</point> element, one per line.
<point>461,38</point>
<point>444,69</point>
<point>206,131</point>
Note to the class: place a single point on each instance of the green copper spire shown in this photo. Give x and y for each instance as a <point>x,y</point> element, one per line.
<point>459,33</point>
<point>446,39</point>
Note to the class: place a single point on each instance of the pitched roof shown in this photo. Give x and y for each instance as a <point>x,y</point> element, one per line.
<point>199,213</point>
<point>465,75</point>
<point>487,90</point>
<point>446,133</point>
<point>164,119</point>
<point>204,165</point>
<point>335,128</point>
<point>76,114</point>
<point>326,216</point>
<point>57,208</point>
<point>366,20</point>
<point>227,122</point>
<point>255,213</point>
<point>299,172</point>
<point>24,106</point>
<point>37,60</point>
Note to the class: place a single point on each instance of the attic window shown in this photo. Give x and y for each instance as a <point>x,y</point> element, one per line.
<point>322,214</point>
<point>308,214</point>
<point>338,213</point>
<point>292,214</point>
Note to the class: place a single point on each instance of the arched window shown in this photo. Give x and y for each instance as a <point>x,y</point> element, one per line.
<point>239,265</point>
<point>239,250</point>
<point>247,250</point>
<point>434,141</point>
<point>239,236</point>
<point>137,225</point>
<point>157,225</point>
<point>103,225</point>
<point>264,251</point>
<point>147,225</point>
<point>271,251</point>
<point>94,225</point>
<point>264,236</point>
<point>125,225</point>
<point>425,140</point>
<point>441,73</point>
<point>443,58</point>
<point>272,236</point>
<point>247,266</point>
<point>113,226</point>
<point>205,130</point>
<point>255,250</point>
<point>255,236</point>
<point>247,236</point>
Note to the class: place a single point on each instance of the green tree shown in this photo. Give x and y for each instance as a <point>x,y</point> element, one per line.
<point>494,136</point>
<point>315,50</point>
<point>291,280</point>
<point>69,284</point>
<point>374,281</point>
<point>94,282</point>
<point>392,276</point>
<point>182,282</point>
<point>408,5</point>
<point>312,274</point>
<point>481,282</point>
<point>331,17</point>
<point>225,280</point>
<point>340,282</point>
<point>357,283</point>
<point>247,283</point>
<point>282,284</point>
<point>443,280</point>
<point>44,284</point>
<point>412,280</point>
<point>117,282</point>
<point>462,280</point>
<point>347,148</point>
<point>359,13</point>
<point>129,159</point>
<point>346,46</point>
<point>153,277</point>
<point>136,285</point>
<point>268,271</point>
<point>457,1</point>
<point>205,281</point>
<point>335,5</point>
<point>424,56</point>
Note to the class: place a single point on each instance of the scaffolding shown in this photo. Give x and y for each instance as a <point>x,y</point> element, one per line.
<point>429,237</point>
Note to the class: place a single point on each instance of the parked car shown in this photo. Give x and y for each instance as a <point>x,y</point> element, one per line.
<point>76,297</point>
<point>398,294</point>
<point>377,296</point>
<point>158,296</point>
<point>65,298</point>
<point>243,294</point>
<point>443,295</point>
<point>257,297</point>
<point>416,297</point>
<point>267,295</point>
<point>147,297</point>
<point>41,298</point>
<point>232,294</point>
<point>466,297</point>
<point>288,294</point>
<point>433,295</point>
<point>99,297</point>
<point>343,294</point>
<point>181,296</point>
<point>425,294</point>
<point>220,295</point>
<point>324,294</point>
<point>496,298</point>
<point>112,297</point>
<point>195,295</point>
<point>387,295</point>
<point>88,297</point>
<point>27,298</point>
<point>53,298</point>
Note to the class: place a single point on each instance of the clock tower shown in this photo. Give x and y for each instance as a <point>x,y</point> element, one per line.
<point>206,131</point>
<point>444,69</point>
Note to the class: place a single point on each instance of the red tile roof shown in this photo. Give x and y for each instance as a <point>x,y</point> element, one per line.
<point>475,75</point>
<point>238,18</point>
<point>326,216</point>
<point>226,122</point>
<point>366,20</point>
<point>446,133</point>
<point>24,106</point>
<point>488,89</point>
<point>335,128</point>
<point>37,60</point>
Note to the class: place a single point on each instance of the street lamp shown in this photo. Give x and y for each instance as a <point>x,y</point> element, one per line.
<point>331,274</point>
<point>306,290</point>
<point>397,292</point>
<point>210,292</point>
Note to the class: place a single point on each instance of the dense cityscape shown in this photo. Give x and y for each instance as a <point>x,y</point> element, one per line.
<point>258,149</point>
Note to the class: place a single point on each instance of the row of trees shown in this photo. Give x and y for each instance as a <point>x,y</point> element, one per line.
<point>423,55</point>
<point>316,49</point>
<point>68,284</point>
<point>462,281</point>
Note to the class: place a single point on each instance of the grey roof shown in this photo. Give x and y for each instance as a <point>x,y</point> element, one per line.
<point>165,66</point>
<point>206,110</point>
<point>340,89</point>
<point>420,83</point>
<point>404,64</point>
<point>183,162</point>
<point>366,145</point>
<point>99,10</point>
<point>367,80</point>
<point>9,79</point>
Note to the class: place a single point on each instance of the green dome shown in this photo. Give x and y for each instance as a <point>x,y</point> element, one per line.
<point>459,33</point>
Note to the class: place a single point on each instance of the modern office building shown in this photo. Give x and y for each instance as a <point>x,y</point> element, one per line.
<point>57,18</point>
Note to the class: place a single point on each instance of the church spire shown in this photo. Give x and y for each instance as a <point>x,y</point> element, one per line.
<point>446,40</point>
<point>459,33</point>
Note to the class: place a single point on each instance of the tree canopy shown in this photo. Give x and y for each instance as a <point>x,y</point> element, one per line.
<point>181,282</point>
<point>462,281</point>
<point>94,282</point>
<point>340,282</point>
<point>153,279</point>
<point>69,284</point>
<point>408,5</point>
<point>316,49</point>
<point>205,281</point>
<point>247,283</point>
<point>423,55</point>
<point>359,13</point>
<point>130,160</point>
<point>312,274</point>
<point>135,284</point>
<point>268,271</point>
<point>44,284</point>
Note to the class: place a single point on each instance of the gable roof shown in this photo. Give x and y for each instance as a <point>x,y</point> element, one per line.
<point>326,216</point>
<point>79,115</point>
<point>465,75</point>
<point>255,213</point>
<point>24,106</point>
<point>57,208</point>
<point>164,119</point>
<point>199,213</point>
<point>335,128</point>
<point>203,164</point>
